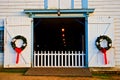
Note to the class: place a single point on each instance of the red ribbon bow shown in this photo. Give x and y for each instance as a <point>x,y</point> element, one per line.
<point>105,56</point>
<point>18,51</point>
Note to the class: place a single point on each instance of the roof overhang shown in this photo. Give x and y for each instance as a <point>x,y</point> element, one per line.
<point>32,12</point>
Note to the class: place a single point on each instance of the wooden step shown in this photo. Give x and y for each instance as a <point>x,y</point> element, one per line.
<point>82,72</point>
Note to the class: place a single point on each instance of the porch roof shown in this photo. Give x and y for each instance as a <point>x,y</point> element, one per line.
<point>58,11</point>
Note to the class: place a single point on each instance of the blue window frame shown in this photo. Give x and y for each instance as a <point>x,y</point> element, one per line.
<point>1,39</point>
<point>84,4</point>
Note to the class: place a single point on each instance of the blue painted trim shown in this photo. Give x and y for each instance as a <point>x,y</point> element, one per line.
<point>86,38</point>
<point>84,4</point>
<point>45,4</point>
<point>1,28</point>
<point>57,16</point>
<point>58,4</point>
<point>72,4</point>
<point>55,11</point>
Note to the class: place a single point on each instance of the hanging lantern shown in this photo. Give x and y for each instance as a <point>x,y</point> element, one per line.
<point>63,35</point>
<point>63,30</point>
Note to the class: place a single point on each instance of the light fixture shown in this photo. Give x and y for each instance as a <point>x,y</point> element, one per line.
<point>63,30</point>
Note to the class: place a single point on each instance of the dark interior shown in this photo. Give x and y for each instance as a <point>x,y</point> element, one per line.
<point>48,34</point>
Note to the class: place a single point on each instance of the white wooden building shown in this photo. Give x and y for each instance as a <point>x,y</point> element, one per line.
<point>40,22</point>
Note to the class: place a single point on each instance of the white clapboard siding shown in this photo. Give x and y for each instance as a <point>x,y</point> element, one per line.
<point>117,41</point>
<point>105,7</point>
<point>17,26</point>
<point>100,26</point>
<point>16,7</point>
<point>102,7</point>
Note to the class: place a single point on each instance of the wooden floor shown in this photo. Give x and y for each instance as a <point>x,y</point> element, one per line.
<point>81,72</point>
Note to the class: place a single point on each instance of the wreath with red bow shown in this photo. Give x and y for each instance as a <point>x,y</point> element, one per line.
<point>17,49</point>
<point>103,49</point>
<point>100,39</point>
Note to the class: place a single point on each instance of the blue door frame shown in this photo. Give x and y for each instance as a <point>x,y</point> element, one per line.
<point>86,38</point>
<point>84,12</point>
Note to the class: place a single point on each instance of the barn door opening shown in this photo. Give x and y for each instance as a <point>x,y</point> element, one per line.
<point>59,42</point>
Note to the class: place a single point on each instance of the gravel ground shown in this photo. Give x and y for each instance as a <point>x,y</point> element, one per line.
<point>21,76</point>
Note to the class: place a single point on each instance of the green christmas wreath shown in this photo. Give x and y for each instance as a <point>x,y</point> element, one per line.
<point>16,38</point>
<point>100,39</point>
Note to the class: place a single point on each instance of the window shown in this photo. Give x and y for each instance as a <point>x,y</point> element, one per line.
<point>1,39</point>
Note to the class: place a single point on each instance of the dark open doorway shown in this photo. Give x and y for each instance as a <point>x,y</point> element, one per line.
<point>59,34</point>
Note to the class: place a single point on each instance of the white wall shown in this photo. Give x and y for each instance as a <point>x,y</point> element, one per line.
<point>16,7</point>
